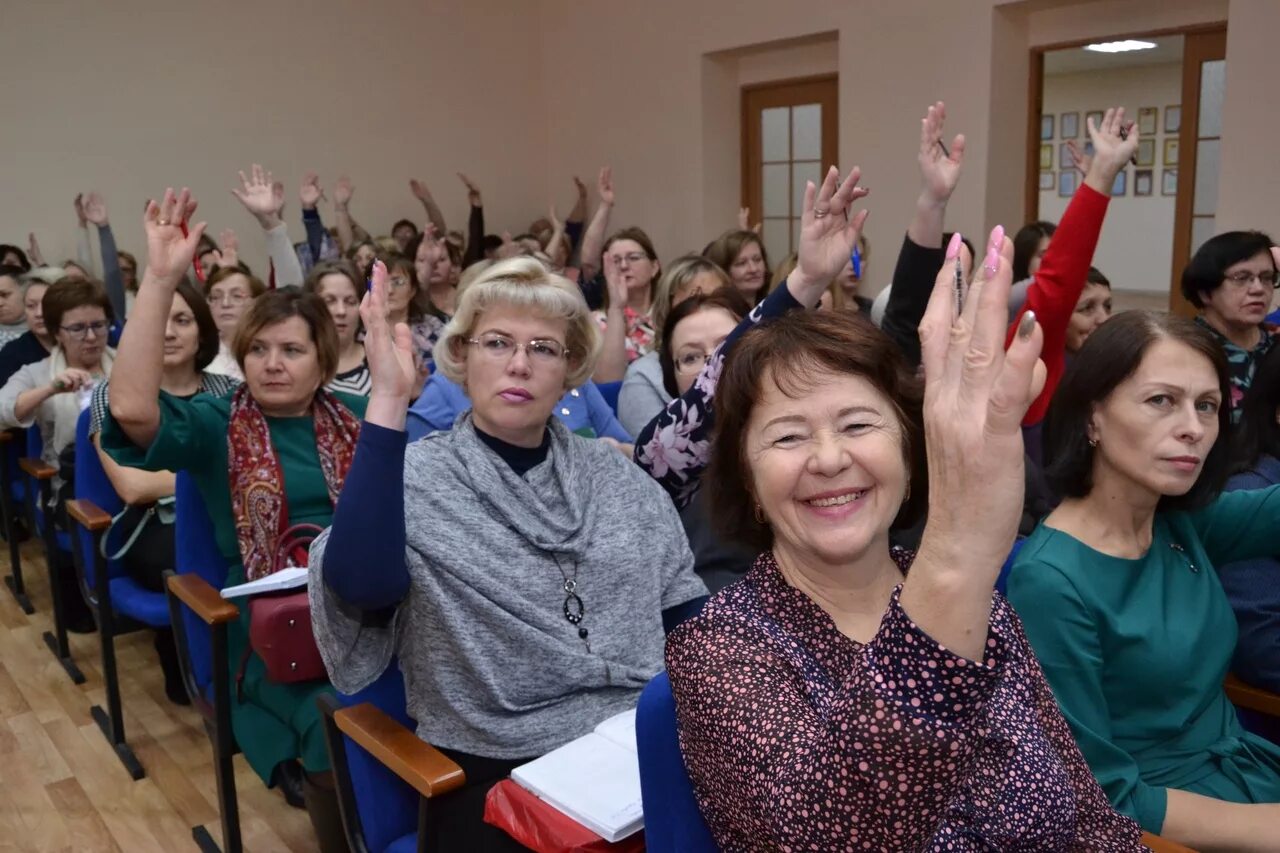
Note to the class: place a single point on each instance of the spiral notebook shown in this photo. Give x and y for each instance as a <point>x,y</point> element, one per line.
<point>594,779</point>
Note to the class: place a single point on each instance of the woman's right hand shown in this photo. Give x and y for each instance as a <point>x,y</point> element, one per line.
<point>389,352</point>
<point>71,379</point>
<point>1115,141</point>
<point>169,253</point>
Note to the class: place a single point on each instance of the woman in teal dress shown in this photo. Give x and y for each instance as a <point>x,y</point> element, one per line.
<point>270,455</point>
<point>1118,591</point>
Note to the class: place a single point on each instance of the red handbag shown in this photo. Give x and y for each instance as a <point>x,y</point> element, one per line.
<point>280,624</point>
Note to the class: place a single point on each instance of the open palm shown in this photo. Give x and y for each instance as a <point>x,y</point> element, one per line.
<point>169,252</point>
<point>828,228</point>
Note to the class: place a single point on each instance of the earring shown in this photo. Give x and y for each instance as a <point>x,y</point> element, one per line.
<point>1093,443</point>
<point>759,512</point>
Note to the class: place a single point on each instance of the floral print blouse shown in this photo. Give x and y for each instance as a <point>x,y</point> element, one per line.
<point>676,445</point>
<point>1241,363</point>
<point>640,332</point>
<point>797,737</point>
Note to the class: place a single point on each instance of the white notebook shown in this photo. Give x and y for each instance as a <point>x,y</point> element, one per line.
<point>275,582</point>
<point>594,779</point>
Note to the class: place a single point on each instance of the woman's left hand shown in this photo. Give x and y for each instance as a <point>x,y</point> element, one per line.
<point>390,352</point>
<point>829,230</point>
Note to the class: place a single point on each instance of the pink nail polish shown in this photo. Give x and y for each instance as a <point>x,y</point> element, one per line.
<point>992,262</point>
<point>953,248</point>
<point>997,237</point>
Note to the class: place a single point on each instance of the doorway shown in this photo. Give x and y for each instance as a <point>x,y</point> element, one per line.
<point>789,136</point>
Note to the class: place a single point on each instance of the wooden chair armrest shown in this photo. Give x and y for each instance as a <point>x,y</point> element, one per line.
<point>37,468</point>
<point>88,515</point>
<point>1253,698</point>
<point>1163,845</point>
<point>195,592</point>
<point>418,763</point>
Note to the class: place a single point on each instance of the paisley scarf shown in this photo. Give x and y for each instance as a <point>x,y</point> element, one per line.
<point>258,501</point>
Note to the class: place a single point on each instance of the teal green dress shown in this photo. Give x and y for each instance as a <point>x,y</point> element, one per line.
<point>1136,652</point>
<point>275,722</point>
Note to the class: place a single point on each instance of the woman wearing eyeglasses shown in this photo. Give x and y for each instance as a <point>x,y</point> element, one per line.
<point>527,598</point>
<point>1232,279</point>
<point>230,291</point>
<point>52,392</point>
<point>631,274</point>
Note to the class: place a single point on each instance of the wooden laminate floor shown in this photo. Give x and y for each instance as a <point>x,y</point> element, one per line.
<point>62,787</point>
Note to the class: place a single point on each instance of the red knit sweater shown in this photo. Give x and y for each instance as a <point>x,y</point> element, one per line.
<point>1058,285</point>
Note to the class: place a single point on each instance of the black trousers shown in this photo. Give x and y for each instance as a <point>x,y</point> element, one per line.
<point>456,821</point>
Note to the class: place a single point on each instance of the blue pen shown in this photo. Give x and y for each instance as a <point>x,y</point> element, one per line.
<point>856,260</point>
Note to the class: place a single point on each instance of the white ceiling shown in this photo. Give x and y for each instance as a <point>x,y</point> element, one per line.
<point>1073,60</point>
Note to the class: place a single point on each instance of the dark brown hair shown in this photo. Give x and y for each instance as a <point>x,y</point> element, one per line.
<point>68,294</point>
<point>726,298</point>
<point>793,350</point>
<point>1110,356</point>
<point>206,328</point>
<point>256,287</point>
<point>277,306</point>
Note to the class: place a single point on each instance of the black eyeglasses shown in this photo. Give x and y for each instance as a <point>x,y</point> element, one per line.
<point>80,331</point>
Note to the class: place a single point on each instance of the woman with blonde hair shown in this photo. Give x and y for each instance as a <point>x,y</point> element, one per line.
<point>530,599</point>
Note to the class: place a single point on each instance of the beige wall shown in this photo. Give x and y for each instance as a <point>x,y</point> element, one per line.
<point>131,95</point>
<point>1136,247</point>
<point>523,95</point>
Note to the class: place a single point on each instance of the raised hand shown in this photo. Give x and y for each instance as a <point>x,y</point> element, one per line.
<point>169,253</point>
<point>829,229</point>
<point>744,221</point>
<point>1080,159</point>
<point>95,209</point>
<point>391,355</point>
<point>581,188</point>
<point>614,283</point>
<point>939,171</point>
<point>420,190</point>
<point>342,192</point>
<point>80,219</point>
<point>1115,141</point>
<point>258,194</point>
<point>473,191</point>
<point>310,193</point>
<point>33,250</point>
<point>604,186</point>
<point>228,248</point>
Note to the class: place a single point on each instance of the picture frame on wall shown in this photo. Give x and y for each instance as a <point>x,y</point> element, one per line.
<point>1064,156</point>
<point>1147,120</point>
<point>1067,182</point>
<point>1171,152</point>
<point>1046,158</point>
<point>1120,186</point>
<point>1146,155</point>
<point>1046,181</point>
<point>1070,125</point>
<point>1169,182</point>
<point>1173,118</point>
<point>1142,182</point>
<point>1046,127</point>
<point>1096,115</point>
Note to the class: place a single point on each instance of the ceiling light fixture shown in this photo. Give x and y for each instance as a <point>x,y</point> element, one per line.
<point>1120,46</point>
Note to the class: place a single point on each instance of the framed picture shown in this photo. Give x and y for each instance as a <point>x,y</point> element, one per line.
<point>1120,186</point>
<point>1096,115</point>
<point>1142,182</point>
<point>1067,182</point>
<point>1147,120</point>
<point>1146,152</point>
<point>1171,152</point>
<point>1173,118</point>
<point>1046,180</point>
<point>1064,156</point>
<point>1169,182</point>
<point>1046,159</point>
<point>1046,127</point>
<point>1070,126</point>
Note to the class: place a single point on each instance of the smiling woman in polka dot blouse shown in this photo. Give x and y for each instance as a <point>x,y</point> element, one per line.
<point>849,696</point>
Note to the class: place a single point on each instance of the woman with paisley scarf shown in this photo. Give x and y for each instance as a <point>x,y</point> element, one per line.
<point>271,455</point>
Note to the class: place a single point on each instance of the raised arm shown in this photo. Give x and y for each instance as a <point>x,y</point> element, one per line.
<point>349,233</point>
<point>135,376</point>
<point>264,199</point>
<point>611,366</point>
<point>921,253</point>
<point>95,211</point>
<point>84,247</point>
<point>675,446</point>
<point>475,223</point>
<point>309,195</point>
<point>598,229</point>
<point>423,194</point>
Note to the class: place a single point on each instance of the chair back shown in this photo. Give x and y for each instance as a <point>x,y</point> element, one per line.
<point>610,390</point>
<point>92,485</point>
<point>197,551</point>
<point>672,819</point>
<point>17,484</point>
<point>35,450</point>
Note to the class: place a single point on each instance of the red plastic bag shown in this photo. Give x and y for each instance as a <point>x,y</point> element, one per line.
<point>544,828</point>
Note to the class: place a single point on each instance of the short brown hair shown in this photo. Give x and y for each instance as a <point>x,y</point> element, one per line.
<point>256,287</point>
<point>68,294</point>
<point>276,307</point>
<point>792,349</point>
<point>638,236</point>
<point>724,250</point>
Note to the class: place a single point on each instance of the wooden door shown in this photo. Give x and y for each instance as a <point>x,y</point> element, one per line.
<point>789,136</point>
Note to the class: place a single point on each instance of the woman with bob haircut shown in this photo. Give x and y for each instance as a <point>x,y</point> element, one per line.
<point>631,272</point>
<point>1232,280</point>
<point>1118,588</point>
<point>271,455</point>
<point>848,694</point>
<point>529,601</point>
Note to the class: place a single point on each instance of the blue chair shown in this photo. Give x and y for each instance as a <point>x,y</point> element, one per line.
<point>57,544</point>
<point>200,615</point>
<point>118,603</point>
<point>672,819</point>
<point>384,773</point>
<point>13,495</point>
<point>610,390</point>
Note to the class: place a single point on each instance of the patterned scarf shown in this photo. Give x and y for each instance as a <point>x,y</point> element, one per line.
<point>258,501</point>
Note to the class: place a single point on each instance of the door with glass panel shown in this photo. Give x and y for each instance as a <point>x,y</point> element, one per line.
<point>788,137</point>
<point>1192,164</point>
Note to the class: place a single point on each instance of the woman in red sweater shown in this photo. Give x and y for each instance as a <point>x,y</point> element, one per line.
<point>1064,270</point>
